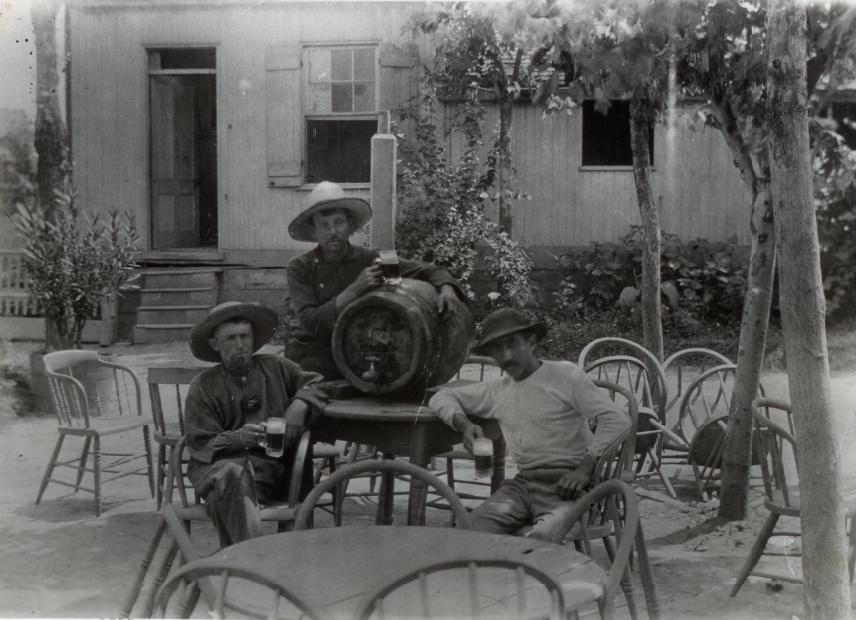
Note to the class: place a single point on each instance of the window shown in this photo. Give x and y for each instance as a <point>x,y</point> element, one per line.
<point>341,113</point>
<point>606,137</point>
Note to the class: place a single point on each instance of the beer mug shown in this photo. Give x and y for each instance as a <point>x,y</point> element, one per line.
<point>273,440</point>
<point>483,453</point>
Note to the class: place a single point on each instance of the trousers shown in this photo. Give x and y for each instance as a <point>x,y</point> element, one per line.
<point>233,488</point>
<point>523,502</point>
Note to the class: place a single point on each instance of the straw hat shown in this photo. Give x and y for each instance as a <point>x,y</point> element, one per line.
<point>262,318</point>
<point>507,321</point>
<point>327,195</point>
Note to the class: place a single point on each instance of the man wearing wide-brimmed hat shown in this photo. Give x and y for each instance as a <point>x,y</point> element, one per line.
<point>544,409</point>
<point>226,405</point>
<point>334,273</point>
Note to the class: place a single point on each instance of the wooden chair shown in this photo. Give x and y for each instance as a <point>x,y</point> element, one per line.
<point>681,369</point>
<point>506,588</point>
<point>698,437</point>
<point>776,449</point>
<point>388,469</point>
<point>610,345</point>
<point>611,509</point>
<point>222,578</point>
<point>176,544</point>
<point>95,399</point>
<point>184,512</point>
<point>476,489</point>
<point>633,374</point>
<point>168,386</point>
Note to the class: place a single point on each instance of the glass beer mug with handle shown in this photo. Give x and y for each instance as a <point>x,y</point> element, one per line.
<point>273,440</point>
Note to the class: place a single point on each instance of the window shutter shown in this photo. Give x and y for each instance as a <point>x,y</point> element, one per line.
<point>399,79</point>
<point>284,109</point>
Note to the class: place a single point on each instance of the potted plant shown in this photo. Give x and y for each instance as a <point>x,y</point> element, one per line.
<point>74,262</point>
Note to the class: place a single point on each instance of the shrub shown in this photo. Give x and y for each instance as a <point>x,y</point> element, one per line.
<point>701,282</point>
<point>73,261</point>
<point>441,208</point>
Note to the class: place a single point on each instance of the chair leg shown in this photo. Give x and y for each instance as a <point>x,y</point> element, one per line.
<point>81,468</point>
<point>96,455</point>
<point>851,553</point>
<point>49,469</point>
<point>756,551</point>
<point>147,442</point>
<point>626,583</point>
<point>161,474</point>
<point>645,574</point>
<point>139,579</point>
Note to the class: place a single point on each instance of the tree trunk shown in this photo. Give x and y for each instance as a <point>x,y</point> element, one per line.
<point>51,137</point>
<point>827,588</point>
<point>754,171</point>
<point>652,326</point>
<point>736,459</point>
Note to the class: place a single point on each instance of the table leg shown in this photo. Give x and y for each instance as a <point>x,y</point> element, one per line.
<point>498,464</point>
<point>418,492</point>
<point>386,496</point>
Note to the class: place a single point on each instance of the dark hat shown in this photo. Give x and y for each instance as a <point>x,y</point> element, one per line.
<point>262,318</point>
<point>507,321</point>
<point>327,195</point>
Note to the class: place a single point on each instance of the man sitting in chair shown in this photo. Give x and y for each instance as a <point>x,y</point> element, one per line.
<point>226,405</point>
<point>327,278</point>
<point>543,409</point>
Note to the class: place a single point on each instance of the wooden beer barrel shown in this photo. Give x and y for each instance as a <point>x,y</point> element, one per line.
<point>392,341</point>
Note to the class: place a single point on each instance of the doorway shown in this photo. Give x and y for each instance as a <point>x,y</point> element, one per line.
<point>183,152</point>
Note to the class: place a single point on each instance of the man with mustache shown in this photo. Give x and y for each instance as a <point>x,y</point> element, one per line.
<point>324,280</point>
<point>225,407</point>
<point>544,409</point>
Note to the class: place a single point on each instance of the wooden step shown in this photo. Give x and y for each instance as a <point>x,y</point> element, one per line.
<point>171,315</point>
<point>147,333</point>
<point>178,296</point>
<point>181,278</point>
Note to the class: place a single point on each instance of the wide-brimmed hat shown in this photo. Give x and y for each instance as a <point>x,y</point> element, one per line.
<point>327,195</point>
<point>507,321</point>
<point>262,318</point>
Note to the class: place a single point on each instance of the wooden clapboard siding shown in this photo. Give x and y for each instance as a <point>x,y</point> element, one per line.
<point>110,100</point>
<point>699,192</point>
<point>701,196</point>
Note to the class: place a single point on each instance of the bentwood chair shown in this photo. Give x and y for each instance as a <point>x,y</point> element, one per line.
<point>389,469</point>
<point>94,399</point>
<point>611,345</point>
<point>611,509</point>
<point>681,369</point>
<point>634,374</point>
<point>474,368</point>
<point>184,513</point>
<point>222,579</point>
<point>494,588</point>
<point>776,450</point>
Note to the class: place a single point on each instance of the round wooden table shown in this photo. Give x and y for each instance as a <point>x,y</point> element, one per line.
<point>332,570</point>
<point>401,428</point>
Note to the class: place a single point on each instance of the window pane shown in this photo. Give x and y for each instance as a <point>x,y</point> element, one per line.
<point>606,137</point>
<point>319,98</point>
<point>185,58</point>
<point>364,65</point>
<point>339,151</point>
<point>319,65</point>
<point>343,98</point>
<point>364,97</point>
<point>341,65</point>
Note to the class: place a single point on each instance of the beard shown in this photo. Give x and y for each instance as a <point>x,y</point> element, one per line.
<point>238,365</point>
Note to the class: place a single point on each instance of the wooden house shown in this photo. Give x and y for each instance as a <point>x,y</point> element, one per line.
<point>211,120</point>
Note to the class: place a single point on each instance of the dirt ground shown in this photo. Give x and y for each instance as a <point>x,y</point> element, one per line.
<point>59,560</point>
